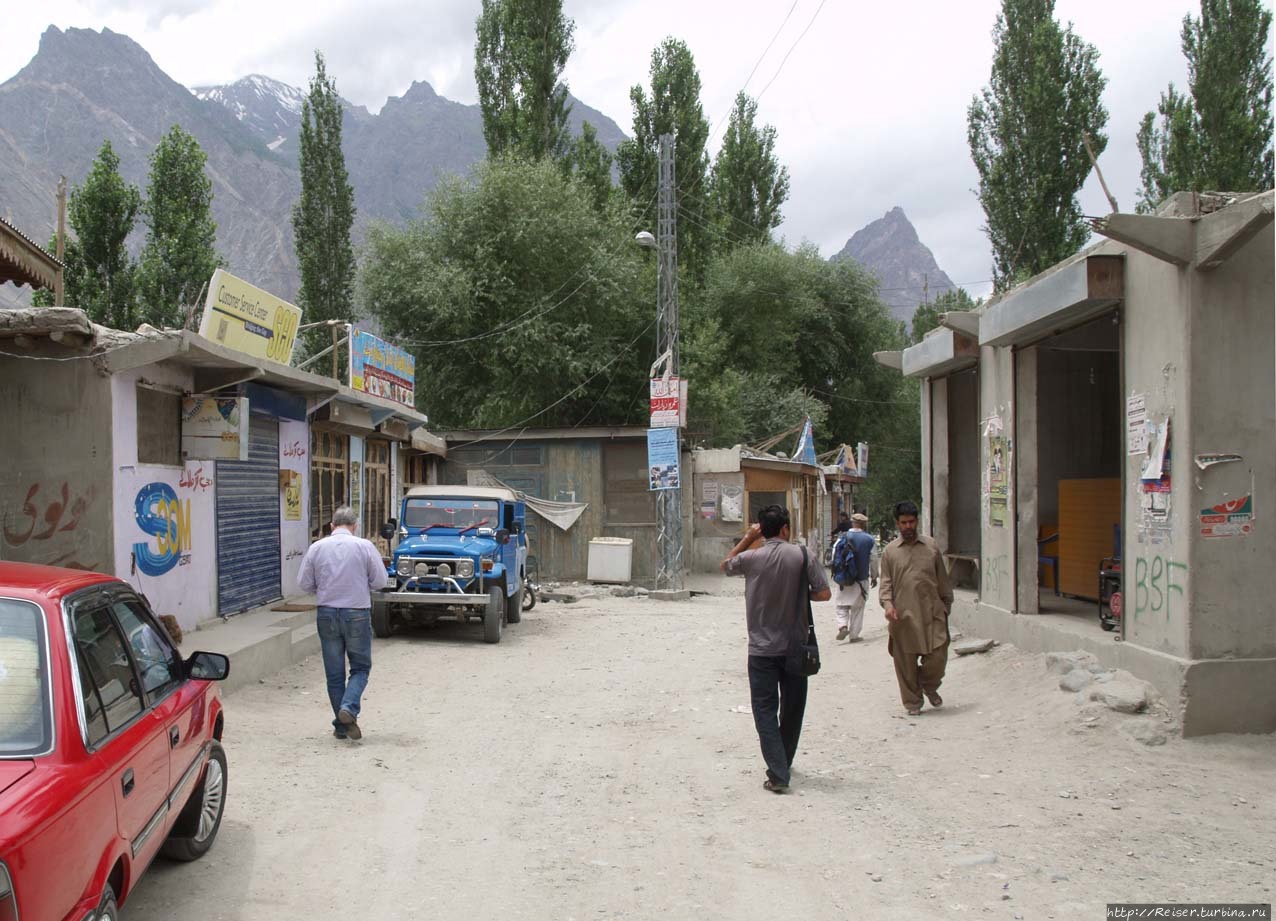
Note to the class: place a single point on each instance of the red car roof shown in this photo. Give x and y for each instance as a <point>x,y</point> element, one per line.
<point>52,581</point>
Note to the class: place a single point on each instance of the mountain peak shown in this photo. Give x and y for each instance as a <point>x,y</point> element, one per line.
<point>906,269</point>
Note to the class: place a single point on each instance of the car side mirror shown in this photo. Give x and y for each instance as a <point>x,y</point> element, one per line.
<point>502,536</point>
<point>207,666</point>
<point>387,530</point>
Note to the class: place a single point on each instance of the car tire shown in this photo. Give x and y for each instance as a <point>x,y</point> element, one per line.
<point>382,625</point>
<point>514,606</point>
<point>109,910</point>
<point>196,828</point>
<point>494,614</point>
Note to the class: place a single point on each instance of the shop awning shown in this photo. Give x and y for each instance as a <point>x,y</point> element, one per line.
<point>1065,296</point>
<point>25,262</point>
<point>941,352</point>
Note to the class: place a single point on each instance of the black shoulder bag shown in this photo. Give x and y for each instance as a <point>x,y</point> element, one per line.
<point>804,659</point>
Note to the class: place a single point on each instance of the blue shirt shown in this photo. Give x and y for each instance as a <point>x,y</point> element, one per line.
<point>342,570</point>
<point>862,544</point>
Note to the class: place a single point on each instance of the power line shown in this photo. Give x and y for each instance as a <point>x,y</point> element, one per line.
<point>791,47</point>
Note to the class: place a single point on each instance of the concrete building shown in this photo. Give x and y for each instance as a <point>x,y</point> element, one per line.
<point>604,467</point>
<point>93,474</point>
<point>1118,412</point>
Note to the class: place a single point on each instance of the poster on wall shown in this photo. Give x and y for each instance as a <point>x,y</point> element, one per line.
<point>214,428</point>
<point>1136,414</point>
<point>998,480</point>
<point>247,319</point>
<point>292,500</point>
<point>1155,480</point>
<point>380,369</point>
<point>1230,518</point>
<point>732,503</point>
<point>662,458</point>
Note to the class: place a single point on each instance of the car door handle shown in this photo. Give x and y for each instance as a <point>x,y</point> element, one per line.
<point>174,735</point>
<point>126,782</point>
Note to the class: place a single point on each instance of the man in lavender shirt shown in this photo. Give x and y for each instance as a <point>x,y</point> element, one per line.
<point>343,570</point>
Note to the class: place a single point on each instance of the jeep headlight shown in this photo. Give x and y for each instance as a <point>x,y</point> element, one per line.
<point>464,568</point>
<point>405,566</point>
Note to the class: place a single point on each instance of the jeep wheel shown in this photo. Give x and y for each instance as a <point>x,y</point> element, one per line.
<point>514,606</point>
<point>494,615</point>
<point>382,626</point>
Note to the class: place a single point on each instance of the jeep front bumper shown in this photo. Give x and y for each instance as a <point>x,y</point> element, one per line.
<point>439,598</point>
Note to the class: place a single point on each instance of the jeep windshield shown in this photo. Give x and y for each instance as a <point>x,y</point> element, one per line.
<point>457,514</point>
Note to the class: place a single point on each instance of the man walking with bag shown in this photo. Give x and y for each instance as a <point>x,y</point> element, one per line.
<point>917,597</point>
<point>853,568</point>
<point>781,579</point>
<point>343,570</point>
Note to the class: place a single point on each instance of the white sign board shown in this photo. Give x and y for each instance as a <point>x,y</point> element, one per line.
<point>215,428</point>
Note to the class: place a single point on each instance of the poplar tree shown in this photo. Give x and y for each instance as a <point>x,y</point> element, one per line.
<point>520,50</point>
<point>590,162</point>
<point>322,218</point>
<point>673,107</point>
<point>1026,135</point>
<point>99,277</point>
<point>1218,136</point>
<point>180,254</point>
<point>749,185</point>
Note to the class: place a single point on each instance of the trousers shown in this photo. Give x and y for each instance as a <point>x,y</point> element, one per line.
<point>918,673</point>
<point>345,633</point>
<point>779,702</point>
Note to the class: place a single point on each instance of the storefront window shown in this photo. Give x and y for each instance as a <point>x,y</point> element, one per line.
<point>329,478</point>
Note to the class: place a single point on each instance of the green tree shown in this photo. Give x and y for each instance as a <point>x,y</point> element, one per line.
<point>99,277</point>
<point>518,295</point>
<point>926,316</point>
<point>180,255</point>
<point>1026,131</point>
<point>672,108</point>
<point>590,162</point>
<point>1220,136</point>
<point>322,218</point>
<point>520,50</point>
<point>748,185</point>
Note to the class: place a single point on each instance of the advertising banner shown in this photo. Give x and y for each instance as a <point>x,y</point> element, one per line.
<point>666,393</point>
<point>381,369</point>
<point>215,428</point>
<point>662,458</point>
<point>249,320</point>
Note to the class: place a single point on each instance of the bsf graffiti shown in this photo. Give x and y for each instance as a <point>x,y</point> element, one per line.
<point>164,517</point>
<point>1154,579</point>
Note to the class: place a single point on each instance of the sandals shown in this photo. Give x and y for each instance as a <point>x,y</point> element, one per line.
<point>914,711</point>
<point>775,786</point>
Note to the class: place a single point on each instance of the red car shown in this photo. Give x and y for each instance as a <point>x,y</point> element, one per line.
<point>110,747</point>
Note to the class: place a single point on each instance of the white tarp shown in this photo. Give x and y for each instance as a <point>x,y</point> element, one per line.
<point>560,514</point>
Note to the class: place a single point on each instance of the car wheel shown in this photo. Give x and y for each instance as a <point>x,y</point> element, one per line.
<point>382,625</point>
<point>494,615</point>
<point>196,828</point>
<point>108,910</point>
<point>514,606</point>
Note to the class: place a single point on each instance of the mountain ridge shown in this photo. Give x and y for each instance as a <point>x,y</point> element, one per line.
<point>906,270</point>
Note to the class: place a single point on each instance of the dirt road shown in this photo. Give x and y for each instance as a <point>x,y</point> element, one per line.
<point>601,763</point>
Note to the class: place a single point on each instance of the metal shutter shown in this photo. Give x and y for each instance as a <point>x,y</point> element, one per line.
<point>248,543</point>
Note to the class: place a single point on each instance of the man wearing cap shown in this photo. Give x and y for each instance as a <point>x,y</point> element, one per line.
<point>849,600</point>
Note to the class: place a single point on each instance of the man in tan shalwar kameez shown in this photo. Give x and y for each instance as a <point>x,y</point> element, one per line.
<point>917,597</point>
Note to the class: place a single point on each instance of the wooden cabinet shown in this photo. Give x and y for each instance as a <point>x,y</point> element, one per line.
<point>1089,516</point>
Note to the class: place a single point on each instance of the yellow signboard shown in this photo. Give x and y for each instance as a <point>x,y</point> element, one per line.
<point>249,320</point>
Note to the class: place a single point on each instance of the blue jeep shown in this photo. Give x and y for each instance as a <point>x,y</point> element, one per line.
<point>461,555</point>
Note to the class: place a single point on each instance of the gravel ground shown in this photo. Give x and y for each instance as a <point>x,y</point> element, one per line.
<point>601,763</point>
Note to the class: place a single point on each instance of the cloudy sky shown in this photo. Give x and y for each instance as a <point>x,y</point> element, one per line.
<point>869,99</point>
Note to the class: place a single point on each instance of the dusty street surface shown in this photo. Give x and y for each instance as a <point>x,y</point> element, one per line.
<point>601,763</point>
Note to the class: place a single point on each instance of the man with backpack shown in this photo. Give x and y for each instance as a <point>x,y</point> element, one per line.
<point>853,568</point>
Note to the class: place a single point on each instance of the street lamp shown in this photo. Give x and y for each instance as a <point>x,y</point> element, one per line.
<point>645,239</point>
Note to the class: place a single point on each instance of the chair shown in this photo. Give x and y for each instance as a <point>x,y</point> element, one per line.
<point>1045,559</point>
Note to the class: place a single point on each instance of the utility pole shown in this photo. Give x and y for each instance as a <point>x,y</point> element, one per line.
<point>668,501</point>
<point>59,290</point>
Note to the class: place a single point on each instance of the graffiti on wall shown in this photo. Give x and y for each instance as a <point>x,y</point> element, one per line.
<point>1156,579</point>
<point>166,521</point>
<point>996,577</point>
<point>46,512</point>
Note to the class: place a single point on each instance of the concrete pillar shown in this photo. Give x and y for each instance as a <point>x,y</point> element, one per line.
<point>927,413</point>
<point>939,462</point>
<point>1024,493</point>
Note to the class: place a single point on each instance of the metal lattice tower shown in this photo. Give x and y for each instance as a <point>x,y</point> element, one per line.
<point>668,501</point>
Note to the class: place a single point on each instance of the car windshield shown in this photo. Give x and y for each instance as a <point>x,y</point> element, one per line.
<point>444,512</point>
<point>26,725</point>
